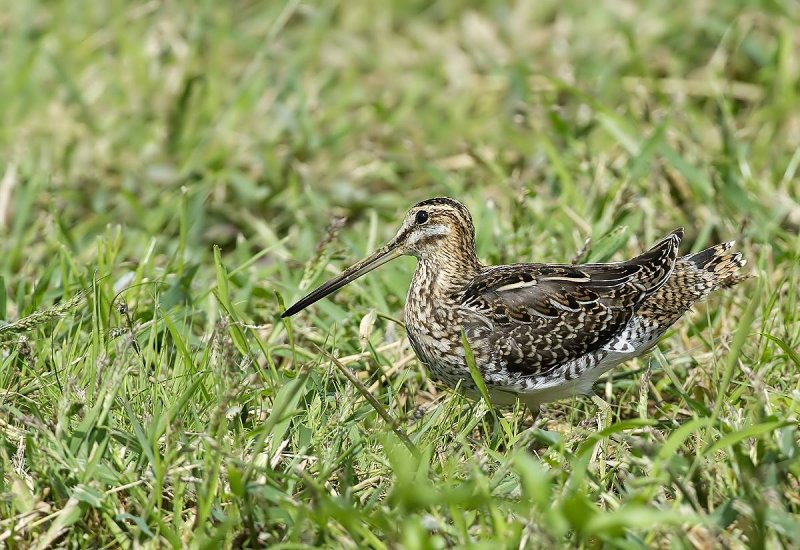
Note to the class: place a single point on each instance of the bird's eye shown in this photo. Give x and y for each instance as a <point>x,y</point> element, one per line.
<point>422,217</point>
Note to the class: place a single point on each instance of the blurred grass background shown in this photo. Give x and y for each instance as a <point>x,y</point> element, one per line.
<point>148,391</point>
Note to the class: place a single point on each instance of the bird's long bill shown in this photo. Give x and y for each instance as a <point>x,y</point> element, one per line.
<point>380,257</point>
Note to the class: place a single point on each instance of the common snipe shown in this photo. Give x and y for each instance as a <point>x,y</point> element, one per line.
<point>538,332</point>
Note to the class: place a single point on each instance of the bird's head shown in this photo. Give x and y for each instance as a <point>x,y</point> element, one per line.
<point>436,230</point>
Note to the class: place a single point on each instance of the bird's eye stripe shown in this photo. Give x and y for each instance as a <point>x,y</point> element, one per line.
<point>421,217</point>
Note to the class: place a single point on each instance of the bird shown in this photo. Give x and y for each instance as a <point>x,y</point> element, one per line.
<point>537,332</point>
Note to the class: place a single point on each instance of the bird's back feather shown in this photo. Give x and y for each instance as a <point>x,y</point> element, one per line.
<point>545,315</point>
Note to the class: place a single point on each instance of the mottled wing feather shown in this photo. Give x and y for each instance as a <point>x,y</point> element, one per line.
<point>545,315</point>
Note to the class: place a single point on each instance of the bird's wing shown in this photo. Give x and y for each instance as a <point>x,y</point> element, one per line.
<point>545,315</point>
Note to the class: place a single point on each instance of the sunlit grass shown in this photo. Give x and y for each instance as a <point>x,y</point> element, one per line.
<point>172,176</point>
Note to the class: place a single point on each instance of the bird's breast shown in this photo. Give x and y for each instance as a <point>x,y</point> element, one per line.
<point>434,331</point>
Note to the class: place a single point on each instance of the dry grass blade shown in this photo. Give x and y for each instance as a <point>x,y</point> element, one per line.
<point>390,420</point>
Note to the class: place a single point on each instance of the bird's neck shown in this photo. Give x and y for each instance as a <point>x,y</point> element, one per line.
<point>445,273</point>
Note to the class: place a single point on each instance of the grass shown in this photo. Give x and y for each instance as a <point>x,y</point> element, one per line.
<point>173,174</point>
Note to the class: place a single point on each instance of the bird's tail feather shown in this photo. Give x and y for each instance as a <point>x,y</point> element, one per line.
<point>694,277</point>
<point>722,267</point>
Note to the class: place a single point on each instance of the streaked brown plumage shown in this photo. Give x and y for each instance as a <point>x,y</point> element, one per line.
<point>538,332</point>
